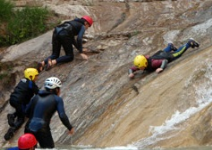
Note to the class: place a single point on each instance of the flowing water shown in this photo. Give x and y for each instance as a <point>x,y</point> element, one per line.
<point>126,148</point>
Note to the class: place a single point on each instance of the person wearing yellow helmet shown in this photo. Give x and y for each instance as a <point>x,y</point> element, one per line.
<point>64,36</point>
<point>160,59</point>
<point>19,98</point>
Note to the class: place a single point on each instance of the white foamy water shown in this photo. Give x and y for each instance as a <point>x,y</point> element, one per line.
<point>204,98</point>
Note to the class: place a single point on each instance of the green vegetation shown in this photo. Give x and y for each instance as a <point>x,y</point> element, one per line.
<point>6,9</point>
<point>7,77</point>
<point>20,25</point>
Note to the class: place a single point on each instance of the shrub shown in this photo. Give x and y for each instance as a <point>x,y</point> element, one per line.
<point>26,23</point>
<point>6,9</point>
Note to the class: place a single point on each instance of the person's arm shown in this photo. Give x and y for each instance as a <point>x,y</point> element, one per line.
<point>163,66</point>
<point>131,72</point>
<point>35,88</point>
<point>79,43</point>
<point>62,114</point>
<point>28,107</point>
<point>79,39</point>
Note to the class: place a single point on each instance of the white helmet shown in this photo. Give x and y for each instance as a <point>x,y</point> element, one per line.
<point>52,83</point>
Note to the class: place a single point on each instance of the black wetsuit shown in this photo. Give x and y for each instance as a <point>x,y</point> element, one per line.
<point>41,109</point>
<point>64,35</point>
<point>20,97</point>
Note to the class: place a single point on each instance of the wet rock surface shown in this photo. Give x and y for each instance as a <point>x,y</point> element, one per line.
<point>108,109</point>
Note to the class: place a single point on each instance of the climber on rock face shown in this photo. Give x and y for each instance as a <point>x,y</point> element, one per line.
<point>25,142</point>
<point>160,59</point>
<point>41,109</point>
<point>19,99</point>
<point>64,36</point>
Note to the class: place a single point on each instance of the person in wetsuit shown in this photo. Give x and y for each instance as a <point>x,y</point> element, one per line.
<point>41,109</point>
<point>64,35</point>
<point>159,60</point>
<point>19,98</point>
<point>25,142</point>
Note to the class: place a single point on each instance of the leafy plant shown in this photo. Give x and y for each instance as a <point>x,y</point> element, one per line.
<point>6,10</point>
<point>26,23</point>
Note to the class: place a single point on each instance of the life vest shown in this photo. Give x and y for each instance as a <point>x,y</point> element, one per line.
<point>158,55</point>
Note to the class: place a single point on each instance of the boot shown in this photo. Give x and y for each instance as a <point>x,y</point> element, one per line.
<point>9,133</point>
<point>193,43</point>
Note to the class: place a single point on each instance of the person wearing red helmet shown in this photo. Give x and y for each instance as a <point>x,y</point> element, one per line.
<point>25,142</point>
<point>64,36</point>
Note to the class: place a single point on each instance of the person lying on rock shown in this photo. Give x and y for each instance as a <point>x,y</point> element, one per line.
<point>41,109</point>
<point>160,59</point>
<point>64,35</point>
<point>19,99</point>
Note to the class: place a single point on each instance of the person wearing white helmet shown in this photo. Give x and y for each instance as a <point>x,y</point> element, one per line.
<point>41,109</point>
<point>64,36</point>
<point>159,60</point>
<point>19,98</point>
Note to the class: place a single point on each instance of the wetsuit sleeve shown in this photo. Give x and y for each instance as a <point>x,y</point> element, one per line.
<point>132,70</point>
<point>79,39</point>
<point>62,114</point>
<point>35,88</point>
<point>164,64</point>
<point>28,107</point>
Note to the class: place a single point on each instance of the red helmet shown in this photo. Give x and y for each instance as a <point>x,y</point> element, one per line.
<point>27,141</point>
<point>88,19</point>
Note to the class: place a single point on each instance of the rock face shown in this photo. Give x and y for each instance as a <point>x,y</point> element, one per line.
<point>170,109</point>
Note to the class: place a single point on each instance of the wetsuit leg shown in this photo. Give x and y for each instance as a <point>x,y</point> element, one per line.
<point>45,139</point>
<point>182,49</point>
<point>168,48</point>
<point>19,122</point>
<point>56,47</point>
<point>19,112</point>
<point>66,42</point>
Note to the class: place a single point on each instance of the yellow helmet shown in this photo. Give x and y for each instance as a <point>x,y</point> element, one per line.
<point>140,61</point>
<point>30,73</point>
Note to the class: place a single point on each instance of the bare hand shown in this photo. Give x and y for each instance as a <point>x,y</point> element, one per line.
<point>85,50</point>
<point>71,131</point>
<point>84,56</point>
<point>159,70</point>
<point>131,75</point>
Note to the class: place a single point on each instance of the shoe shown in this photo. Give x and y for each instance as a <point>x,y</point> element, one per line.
<point>193,43</point>
<point>172,46</point>
<point>40,67</point>
<point>11,119</point>
<point>48,66</point>
<point>9,134</point>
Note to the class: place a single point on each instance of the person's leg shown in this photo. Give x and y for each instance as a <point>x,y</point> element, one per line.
<point>170,47</point>
<point>19,122</point>
<point>68,48</point>
<point>56,46</point>
<point>18,109</point>
<point>45,139</point>
<point>182,49</point>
